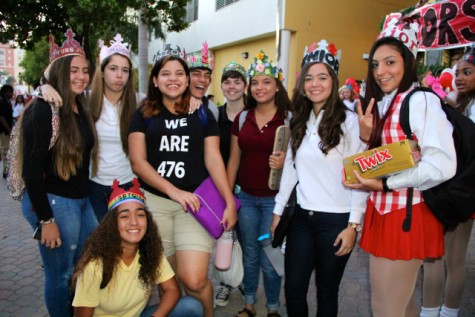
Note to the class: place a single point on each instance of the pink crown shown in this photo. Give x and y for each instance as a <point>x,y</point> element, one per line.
<point>69,47</point>
<point>116,47</point>
<point>403,29</point>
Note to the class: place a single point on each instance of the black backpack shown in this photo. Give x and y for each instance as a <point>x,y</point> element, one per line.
<point>452,201</point>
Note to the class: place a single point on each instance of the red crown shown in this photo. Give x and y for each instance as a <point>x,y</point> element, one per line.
<point>120,195</point>
<point>69,47</point>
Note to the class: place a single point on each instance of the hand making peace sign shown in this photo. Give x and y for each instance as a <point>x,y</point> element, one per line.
<point>365,120</point>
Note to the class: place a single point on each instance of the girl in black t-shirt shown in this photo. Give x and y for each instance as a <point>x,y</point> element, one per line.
<point>173,151</point>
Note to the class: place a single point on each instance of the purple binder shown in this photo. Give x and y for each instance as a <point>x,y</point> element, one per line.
<point>212,208</point>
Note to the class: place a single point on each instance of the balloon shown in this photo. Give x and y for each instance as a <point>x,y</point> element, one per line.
<point>446,78</point>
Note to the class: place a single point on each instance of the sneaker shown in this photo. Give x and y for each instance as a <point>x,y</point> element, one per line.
<point>241,290</point>
<point>222,297</point>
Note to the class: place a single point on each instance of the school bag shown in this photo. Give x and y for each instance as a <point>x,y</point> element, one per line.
<point>15,182</point>
<point>452,201</point>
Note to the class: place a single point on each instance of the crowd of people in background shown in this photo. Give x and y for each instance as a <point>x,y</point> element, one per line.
<point>106,238</point>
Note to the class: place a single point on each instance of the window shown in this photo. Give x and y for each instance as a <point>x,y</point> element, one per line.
<point>2,57</point>
<point>191,11</point>
<point>222,3</point>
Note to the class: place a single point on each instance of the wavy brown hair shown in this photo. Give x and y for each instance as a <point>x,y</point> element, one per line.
<point>282,100</point>
<point>152,105</point>
<point>69,147</point>
<point>128,104</point>
<point>329,129</point>
<point>104,245</point>
<point>374,91</point>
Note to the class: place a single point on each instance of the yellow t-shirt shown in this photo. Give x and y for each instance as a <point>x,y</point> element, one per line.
<point>123,296</point>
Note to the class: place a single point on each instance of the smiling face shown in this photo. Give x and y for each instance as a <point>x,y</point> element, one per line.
<point>78,75</point>
<point>465,77</point>
<point>318,84</point>
<point>116,74</point>
<point>171,81</point>
<point>263,89</point>
<point>388,68</point>
<point>233,89</point>
<point>131,222</point>
<point>200,79</point>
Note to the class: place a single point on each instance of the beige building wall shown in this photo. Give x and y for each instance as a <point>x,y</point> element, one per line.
<point>351,25</point>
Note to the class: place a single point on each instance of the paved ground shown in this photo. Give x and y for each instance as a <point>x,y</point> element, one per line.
<point>21,276</point>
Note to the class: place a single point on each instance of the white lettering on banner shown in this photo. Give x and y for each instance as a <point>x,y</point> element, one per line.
<point>167,168</point>
<point>173,124</point>
<point>176,143</point>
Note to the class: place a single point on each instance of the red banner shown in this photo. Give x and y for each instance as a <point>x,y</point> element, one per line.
<point>447,24</point>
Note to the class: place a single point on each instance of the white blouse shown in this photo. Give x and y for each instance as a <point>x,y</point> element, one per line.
<point>320,176</point>
<point>434,134</point>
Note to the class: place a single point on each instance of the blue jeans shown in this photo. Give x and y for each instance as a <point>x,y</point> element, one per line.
<point>255,219</point>
<point>75,219</point>
<point>99,196</point>
<point>186,306</point>
<point>310,246</point>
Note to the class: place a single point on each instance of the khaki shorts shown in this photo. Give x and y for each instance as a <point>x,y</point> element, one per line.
<point>179,229</point>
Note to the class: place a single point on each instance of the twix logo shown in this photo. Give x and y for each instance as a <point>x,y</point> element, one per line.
<point>377,158</point>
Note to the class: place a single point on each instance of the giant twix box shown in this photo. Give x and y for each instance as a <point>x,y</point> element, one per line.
<point>382,161</point>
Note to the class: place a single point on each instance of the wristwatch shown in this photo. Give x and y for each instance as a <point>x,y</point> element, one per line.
<point>355,226</point>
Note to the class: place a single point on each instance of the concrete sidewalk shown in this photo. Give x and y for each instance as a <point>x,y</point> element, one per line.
<point>21,275</point>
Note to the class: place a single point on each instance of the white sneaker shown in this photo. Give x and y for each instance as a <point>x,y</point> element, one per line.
<point>222,297</point>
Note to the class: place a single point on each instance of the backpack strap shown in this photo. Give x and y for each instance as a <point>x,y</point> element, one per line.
<point>406,127</point>
<point>54,126</point>
<point>242,118</point>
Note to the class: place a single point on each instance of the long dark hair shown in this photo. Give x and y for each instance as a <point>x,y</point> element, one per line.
<point>68,149</point>
<point>282,100</point>
<point>128,104</point>
<point>104,244</point>
<point>153,103</point>
<point>334,115</point>
<point>374,91</point>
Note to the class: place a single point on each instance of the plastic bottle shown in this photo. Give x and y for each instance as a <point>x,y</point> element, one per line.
<point>274,255</point>
<point>224,251</point>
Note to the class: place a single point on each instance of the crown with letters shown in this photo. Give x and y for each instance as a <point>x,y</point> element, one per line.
<point>402,28</point>
<point>470,56</point>
<point>262,66</point>
<point>201,59</point>
<point>169,51</point>
<point>116,47</point>
<point>120,195</point>
<point>69,47</point>
<point>233,66</point>
<point>322,52</point>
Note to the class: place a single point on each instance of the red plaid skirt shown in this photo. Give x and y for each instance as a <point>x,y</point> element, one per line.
<point>383,235</point>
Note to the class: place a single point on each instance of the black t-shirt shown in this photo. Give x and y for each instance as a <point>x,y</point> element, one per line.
<point>6,111</point>
<point>175,146</point>
<point>225,126</point>
<point>38,162</point>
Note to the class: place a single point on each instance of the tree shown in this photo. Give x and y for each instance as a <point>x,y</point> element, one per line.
<point>27,22</point>
<point>34,62</point>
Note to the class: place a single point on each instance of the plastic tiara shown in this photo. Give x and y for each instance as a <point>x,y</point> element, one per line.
<point>322,52</point>
<point>169,51</point>
<point>403,29</point>
<point>262,66</point>
<point>233,66</point>
<point>69,47</point>
<point>120,195</point>
<point>116,47</point>
<point>201,59</point>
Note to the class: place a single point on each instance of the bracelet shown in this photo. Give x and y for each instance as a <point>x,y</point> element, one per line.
<point>365,141</point>
<point>47,222</point>
<point>385,185</point>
